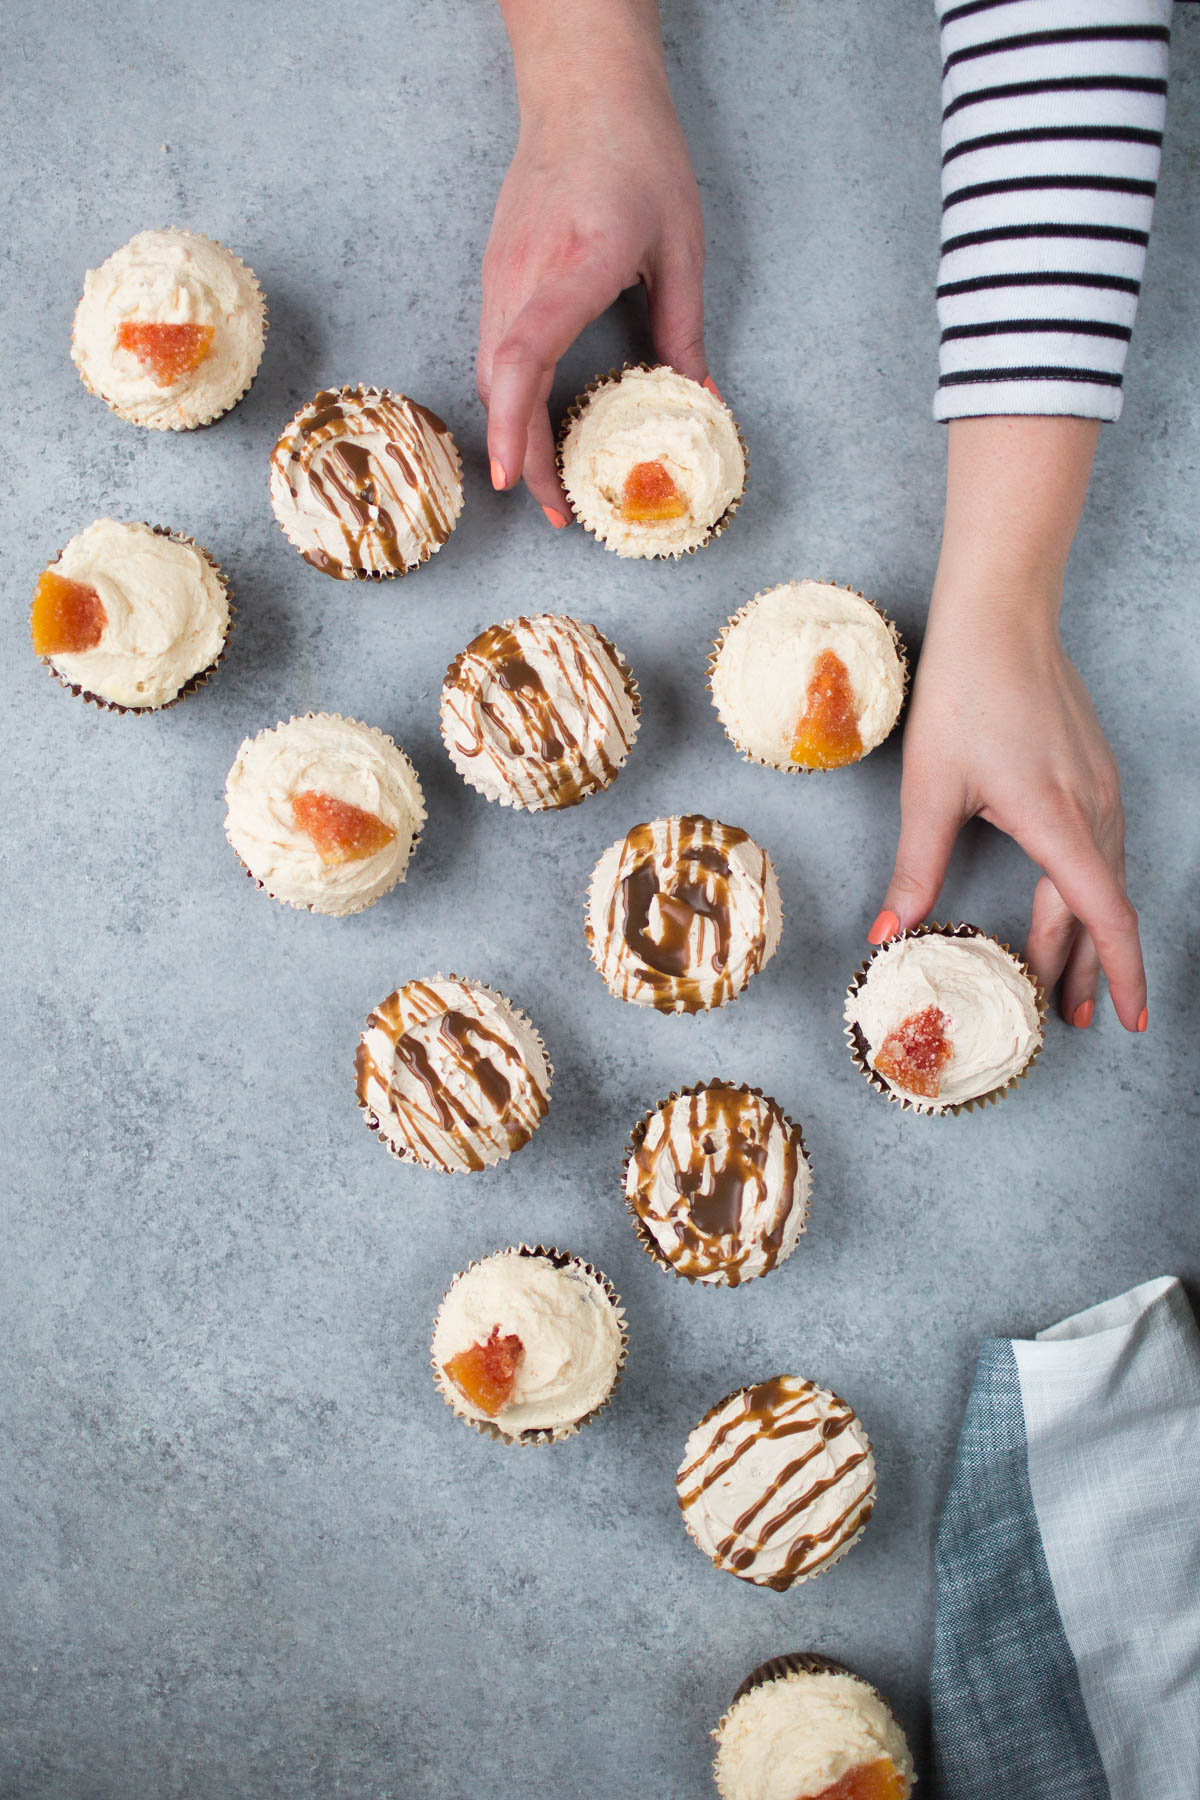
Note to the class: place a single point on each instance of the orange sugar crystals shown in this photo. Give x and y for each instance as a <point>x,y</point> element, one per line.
<point>880,1780</point>
<point>68,616</point>
<point>650,495</point>
<point>827,735</point>
<point>340,832</point>
<point>914,1054</point>
<point>168,351</point>
<point>485,1373</point>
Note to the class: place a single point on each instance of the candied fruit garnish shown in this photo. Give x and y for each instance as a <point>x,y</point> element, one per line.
<point>168,351</point>
<point>485,1373</point>
<point>650,495</point>
<point>67,615</point>
<point>915,1053</point>
<point>880,1780</point>
<point>827,735</point>
<point>340,832</point>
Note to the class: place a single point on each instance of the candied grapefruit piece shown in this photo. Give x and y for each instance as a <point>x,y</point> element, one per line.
<point>485,1373</point>
<point>916,1052</point>
<point>341,832</point>
<point>880,1780</point>
<point>168,351</point>
<point>650,495</point>
<point>826,737</point>
<point>67,615</point>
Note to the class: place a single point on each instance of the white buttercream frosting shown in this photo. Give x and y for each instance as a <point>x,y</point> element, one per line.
<point>767,656</point>
<point>652,415</point>
<point>166,613</point>
<point>800,1734</point>
<point>170,278</point>
<point>989,1001</point>
<point>572,1345</point>
<point>321,753</point>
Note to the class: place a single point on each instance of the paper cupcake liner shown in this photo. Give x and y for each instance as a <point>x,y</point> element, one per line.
<point>371,1118</point>
<point>547,805</point>
<point>576,410</point>
<point>780,1668</point>
<point>801,768</point>
<point>194,682</point>
<point>418,826</point>
<point>642,1232</point>
<point>859,1049</point>
<point>542,1434</point>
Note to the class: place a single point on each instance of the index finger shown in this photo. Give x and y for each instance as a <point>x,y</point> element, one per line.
<point>523,364</point>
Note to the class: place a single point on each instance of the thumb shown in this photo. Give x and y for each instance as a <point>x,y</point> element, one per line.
<point>675,291</point>
<point>928,828</point>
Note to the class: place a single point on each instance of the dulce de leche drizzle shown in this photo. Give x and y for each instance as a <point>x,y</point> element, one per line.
<point>777,1481</point>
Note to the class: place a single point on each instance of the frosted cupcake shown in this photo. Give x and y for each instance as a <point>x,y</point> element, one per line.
<point>528,1345</point>
<point>539,712</point>
<point>803,1727</point>
<point>777,1482</point>
<point>681,913</point>
<point>717,1180</point>
<point>943,1018</point>
<point>652,463</point>
<point>131,616</point>
<point>365,482</point>
<point>808,676</point>
<point>324,812</point>
<point>170,330</point>
<point>451,1075</point>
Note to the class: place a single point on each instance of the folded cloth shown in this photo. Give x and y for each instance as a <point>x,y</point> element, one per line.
<point>1066,1661</point>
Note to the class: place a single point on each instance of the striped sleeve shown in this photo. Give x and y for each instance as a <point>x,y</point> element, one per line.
<point>1052,128</point>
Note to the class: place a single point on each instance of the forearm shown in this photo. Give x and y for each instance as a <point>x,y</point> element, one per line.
<point>566,51</point>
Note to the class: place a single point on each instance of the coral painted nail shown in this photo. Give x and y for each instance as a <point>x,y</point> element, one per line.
<point>1081,1018</point>
<point>499,478</point>
<point>1143,1019</point>
<point>886,926</point>
<point>712,387</point>
<point>556,518</point>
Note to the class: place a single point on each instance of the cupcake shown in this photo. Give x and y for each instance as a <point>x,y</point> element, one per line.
<point>681,913</point>
<point>132,616</point>
<point>366,483</point>
<point>777,1482</point>
<point>808,676</point>
<point>528,1345</point>
<point>717,1180</point>
<point>450,1075</point>
<point>803,1727</point>
<point>324,813</point>
<point>169,332</point>
<point>944,1017</point>
<point>652,463</point>
<point>539,712</point>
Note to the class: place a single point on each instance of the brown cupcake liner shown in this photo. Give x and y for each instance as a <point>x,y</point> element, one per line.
<point>374,1125</point>
<point>418,829</point>
<point>507,799</point>
<point>576,410</point>
<point>802,768</point>
<point>780,1668</point>
<point>859,1049</point>
<point>642,1232</point>
<point>194,682</point>
<point>541,1434</point>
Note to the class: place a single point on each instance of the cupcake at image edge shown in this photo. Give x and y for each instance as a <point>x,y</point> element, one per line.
<point>944,1018</point>
<point>450,1075</point>
<point>803,1727</point>
<point>529,1344</point>
<point>808,676</point>
<point>653,463</point>
<point>131,616</point>
<point>539,712</point>
<point>681,913</point>
<point>170,330</point>
<point>324,813</point>
<point>366,483</point>
<point>717,1181</point>
<point>777,1482</point>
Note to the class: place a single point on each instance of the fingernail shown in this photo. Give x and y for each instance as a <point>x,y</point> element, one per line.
<point>886,926</point>
<point>712,387</point>
<point>556,518</point>
<point>1081,1018</point>
<point>499,478</point>
<point>1143,1019</point>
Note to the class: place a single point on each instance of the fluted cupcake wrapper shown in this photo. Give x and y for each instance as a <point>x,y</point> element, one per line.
<point>780,1668</point>
<point>576,410</point>
<point>860,1050</point>
<point>642,1232</point>
<point>804,768</point>
<point>547,1434</point>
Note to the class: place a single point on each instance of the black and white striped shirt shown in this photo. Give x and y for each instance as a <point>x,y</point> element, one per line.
<point>1051,136</point>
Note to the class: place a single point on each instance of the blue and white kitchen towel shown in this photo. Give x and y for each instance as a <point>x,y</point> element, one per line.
<point>1066,1661</point>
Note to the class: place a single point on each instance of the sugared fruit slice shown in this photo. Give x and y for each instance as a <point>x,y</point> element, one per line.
<point>651,495</point>
<point>340,832</point>
<point>869,1781</point>
<point>67,615</point>
<point>484,1374</point>
<point>915,1053</point>
<point>827,736</point>
<point>168,351</point>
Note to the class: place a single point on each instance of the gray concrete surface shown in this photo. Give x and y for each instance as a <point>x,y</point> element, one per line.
<point>244,1548</point>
